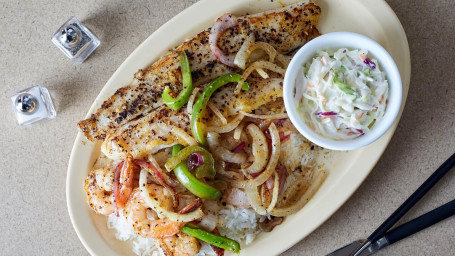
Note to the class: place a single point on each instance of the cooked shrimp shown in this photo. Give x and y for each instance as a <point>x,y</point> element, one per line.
<point>145,221</point>
<point>124,181</point>
<point>98,185</point>
<point>179,244</point>
<point>163,195</point>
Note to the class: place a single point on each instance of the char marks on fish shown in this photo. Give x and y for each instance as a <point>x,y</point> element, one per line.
<point>285,29</point>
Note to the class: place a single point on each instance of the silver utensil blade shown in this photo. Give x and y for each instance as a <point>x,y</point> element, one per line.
<point>349,249</point>
<point>346,250</point>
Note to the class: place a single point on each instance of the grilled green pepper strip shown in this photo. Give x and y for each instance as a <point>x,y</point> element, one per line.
<point>195,186</point>
<point>217,240</point>
<point>176,148</point>
<point>245,86</point>
<point>343,87</point>
<point>207,169</point>
<point>184,94</point>
<point>197,127</point>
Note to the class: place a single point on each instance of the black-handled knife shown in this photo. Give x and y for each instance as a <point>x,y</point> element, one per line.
<point>381,237</point>
<point>412,227</point>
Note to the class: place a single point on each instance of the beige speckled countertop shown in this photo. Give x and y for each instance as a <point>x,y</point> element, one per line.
<point>34,218</point>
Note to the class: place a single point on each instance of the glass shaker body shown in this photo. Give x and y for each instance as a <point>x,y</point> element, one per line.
<point>75,40</point>
<point>33,105</point>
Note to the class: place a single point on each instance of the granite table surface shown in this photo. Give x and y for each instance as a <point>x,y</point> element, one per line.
<point>34,218</point>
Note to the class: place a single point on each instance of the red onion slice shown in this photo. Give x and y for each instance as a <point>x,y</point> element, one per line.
<point>255,175</point>
<point>191,206</point>
<point>285,138</point>
<point>331,113</point>
<point>148,165</point>
<point>269,183</point>
<point>369,63</point>
<point>239,147</point>
<point>279,122</point>
<point>195,160</point>
<point>222,23</point>
<point>353,130</point>
<point>161,179</point>
<point>282,175</point>
<point>358,131</point>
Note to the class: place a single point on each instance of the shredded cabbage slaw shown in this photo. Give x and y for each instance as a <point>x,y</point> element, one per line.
<point>341,93</point>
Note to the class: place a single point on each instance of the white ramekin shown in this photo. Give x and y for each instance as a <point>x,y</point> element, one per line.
<point>347,40</point>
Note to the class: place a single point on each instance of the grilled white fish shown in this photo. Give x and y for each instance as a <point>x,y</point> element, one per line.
<point>161,128</point>
<point>285,29</point>
<point>165,127</point>
<point>262,91</point>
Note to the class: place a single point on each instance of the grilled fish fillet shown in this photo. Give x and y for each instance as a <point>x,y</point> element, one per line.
<point>262,91</point>
<point>285,29</point>
<point>165,127</point>
<point>162,128</point>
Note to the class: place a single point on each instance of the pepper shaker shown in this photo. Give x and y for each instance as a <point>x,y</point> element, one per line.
<point>75,40</point>
<point>33,105</point>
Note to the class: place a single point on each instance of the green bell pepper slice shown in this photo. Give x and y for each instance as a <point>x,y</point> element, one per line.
<point>184,94</point>
<point>217,240</point>
<point>187,179</point>
<point>207,169</point>
<point>176,149</point>
<point>197,127</point>
<point>342,86</point>
<point>245,86</point>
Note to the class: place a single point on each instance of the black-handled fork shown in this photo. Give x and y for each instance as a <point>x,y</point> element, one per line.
<point>411,227</point>
<point>381,237</point>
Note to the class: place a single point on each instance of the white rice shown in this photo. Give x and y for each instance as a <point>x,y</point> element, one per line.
<point>239,223</point>
<point>206,250</point>
<point>236,223</point>
<point>124,232</point>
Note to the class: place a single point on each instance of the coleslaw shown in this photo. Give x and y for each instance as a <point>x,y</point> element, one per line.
<point>341,93</point>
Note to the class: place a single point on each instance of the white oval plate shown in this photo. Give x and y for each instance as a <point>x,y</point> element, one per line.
<point>347,170</point>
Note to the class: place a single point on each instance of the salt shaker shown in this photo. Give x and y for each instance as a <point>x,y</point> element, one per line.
<point>75,40</point>
<point>33,105</point>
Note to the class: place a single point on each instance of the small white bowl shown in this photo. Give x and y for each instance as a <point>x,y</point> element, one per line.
<point>347,40</point>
